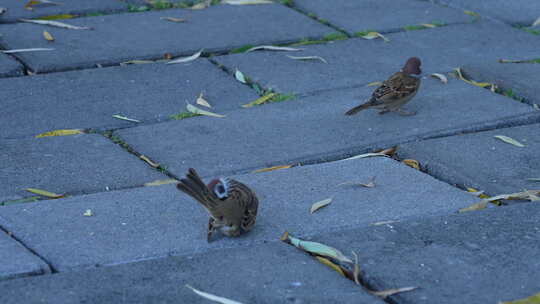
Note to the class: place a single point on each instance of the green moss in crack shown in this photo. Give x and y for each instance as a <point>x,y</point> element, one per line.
<point>137,9</point>
<point>530,30</point>
<point>363,33</point>
<point>335,36</point>
<point>183,115</point>
<point>510,93</point>
<point>414,27</point>
<point>289,3</point>
<point>241,49</point>
<point>283,97</point>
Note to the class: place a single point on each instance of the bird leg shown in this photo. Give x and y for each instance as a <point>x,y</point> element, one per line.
<point>383,111</point>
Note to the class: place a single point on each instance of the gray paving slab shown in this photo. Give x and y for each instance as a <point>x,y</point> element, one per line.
<point>16,8</point>
<point>359,61</point>
<point>118,38</point>
<point>68,164</point>
<point>481,161</point>
<point>523,12</point>
<point>479,257</point>
<point>268,273</point>
<point>17,261</point>
<point>153,222</point>
<point>358,16</point>
<point>9,67</point>
<point>316,129</point>
<point>518,77</point>
<point>89,98</point>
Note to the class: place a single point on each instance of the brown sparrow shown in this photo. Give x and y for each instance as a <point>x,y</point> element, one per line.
<point>231,204</point>
<point>399,89</point>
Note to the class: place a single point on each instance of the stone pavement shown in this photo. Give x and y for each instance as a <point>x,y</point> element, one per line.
<point>114,229</point>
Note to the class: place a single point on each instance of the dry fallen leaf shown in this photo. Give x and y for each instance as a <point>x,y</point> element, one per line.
<point>186,59</point>
<point>30,4</point>
<point>26,50</point>
<point>161,182</point>
<point>48,36</point>
<point>413,163</point>
<point>193,109</point>
<point>318,205</point>
<point>474,207</point>
<point>383,223</point>
<point>471,13</point>
<point>246,2</point>
<point>212,297</point>
<point>373,35</point>
<point>60,133</point>
<point>366,155</point>
<point>386,293</point>
<point>173,19</point>
<point>240,76</point>
<point>441,77</point>
<point>534,299</point>
<point>203,102</point>
<point>56,24</point>
<point>272,168</point>
<point>273,48</point>
<point>149,161</point>
<point>329,263</point>
<point>375,83</point>
<point>44,193</point>
<point>356,271</point>
<point>389,151</point>
<point>307,58</point>
<point>88,212</point>
<point>536,22</point>
<point>429,25</point>
<point>315,248</point>
<point>125,118</point>
<point>509,140</point>
<point>57,17</point>
<point>459,74</point>
<point>260,100</point>
<point>370,184</point>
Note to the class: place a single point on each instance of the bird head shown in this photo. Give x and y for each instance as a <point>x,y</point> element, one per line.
<point>412,66</point>
<point>220,187</point>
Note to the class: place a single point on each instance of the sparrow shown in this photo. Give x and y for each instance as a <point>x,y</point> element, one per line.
<point>231,204</point>
<point>396,91</point>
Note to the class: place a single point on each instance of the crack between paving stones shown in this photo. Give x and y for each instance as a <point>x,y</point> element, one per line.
<point>32,251</point>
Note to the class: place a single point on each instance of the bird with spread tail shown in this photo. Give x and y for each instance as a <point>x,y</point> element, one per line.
<point>399,89</point>
<point>231,204</point>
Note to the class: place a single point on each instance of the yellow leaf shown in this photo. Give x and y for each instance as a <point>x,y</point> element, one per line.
<point>272,168</point>
<point>509,140</point>
<point>57,17</point>
<point>480,194</point>
<point>203,102</point>
<point>474,207</point>
<point>150,162</point>
<point>471,13</point>
<point>534,299</point>
<point>44,193</point>
<point>429,25</point>
<point>331,265</point>
<point>441,77</point>
<point>172,19</point>
<point>318,205</point>
<point>386,293</point>
<point>60,133</point>
<point>373,35</point>
<point>478,84</point>
<point>193,109</point>
<point>260,100</point>
<point>161,182</point>
<point>48,36</point>
<point>413,163</point>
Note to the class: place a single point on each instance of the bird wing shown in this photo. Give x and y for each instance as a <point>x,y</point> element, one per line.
<point>398,86</point>
<point>241,206</point>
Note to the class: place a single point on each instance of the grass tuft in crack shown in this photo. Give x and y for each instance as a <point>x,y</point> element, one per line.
<point>330,37</point>
<point>183,115</point>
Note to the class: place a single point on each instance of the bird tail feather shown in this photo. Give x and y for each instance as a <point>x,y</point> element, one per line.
<point>357,109</point>
<point>193,186</point>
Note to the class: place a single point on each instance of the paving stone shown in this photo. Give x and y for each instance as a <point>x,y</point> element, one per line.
<point>358,61</point>
<point>118,38</point>
<point>16,9</point>
<point>520,78</point>
<point>68,164</point>
<point>523,13</point>
<point>481,161</point>
<point>153,222</point>
<point>88,98</point>
<point>479,257</point>
<point>9,67</point>
<point>17,261</point>
<point>316,129</point>
<point>268,273</point>
<point>358,16</point>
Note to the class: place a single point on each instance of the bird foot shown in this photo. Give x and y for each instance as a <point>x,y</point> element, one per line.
<point>383,112</point>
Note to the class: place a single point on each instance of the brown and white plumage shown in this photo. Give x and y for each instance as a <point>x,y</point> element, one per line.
<point>399,89</point>
<point>231,204</point>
